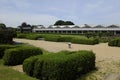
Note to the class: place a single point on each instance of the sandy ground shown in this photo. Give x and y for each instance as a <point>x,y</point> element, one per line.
<point>107,58</point>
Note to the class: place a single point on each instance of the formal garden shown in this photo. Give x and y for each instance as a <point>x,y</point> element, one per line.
<point>44,65</point>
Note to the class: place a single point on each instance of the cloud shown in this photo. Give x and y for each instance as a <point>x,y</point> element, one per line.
<point>46,12</point>
<point>15,19</point>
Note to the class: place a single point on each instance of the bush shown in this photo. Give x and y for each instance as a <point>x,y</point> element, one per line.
<point>28,65</point>
<point>64,39</point>
<point>51,37</point>
<point>33,36</point>
<point>16,56</point>
<point>85,41</point>
<point>6,36</point>
<point>61,66</point>
<point>5,47</point>
<point>114,42</point>
<point>21,35</point>
<point>58,38</point>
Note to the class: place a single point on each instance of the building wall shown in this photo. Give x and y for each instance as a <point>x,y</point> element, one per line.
<point>115,31</point>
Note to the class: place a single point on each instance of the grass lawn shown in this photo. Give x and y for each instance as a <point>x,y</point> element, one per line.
<point>7,73</point>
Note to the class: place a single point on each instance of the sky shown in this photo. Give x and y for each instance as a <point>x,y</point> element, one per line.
<point>47,12</point>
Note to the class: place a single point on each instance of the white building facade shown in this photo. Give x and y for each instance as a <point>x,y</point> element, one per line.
<point>73,29</point>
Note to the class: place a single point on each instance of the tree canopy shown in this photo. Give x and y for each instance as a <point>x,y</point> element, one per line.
<point>61,22</point>
<point>2,26</point>
<point>24,24</point>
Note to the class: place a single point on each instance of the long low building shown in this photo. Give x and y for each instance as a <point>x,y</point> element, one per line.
<point>76,30</point>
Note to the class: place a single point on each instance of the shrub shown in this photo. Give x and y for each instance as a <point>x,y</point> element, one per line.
<point>61,66</point>
<point>28,65</point>
<point>114,42</point>
<point>6,36</point>
<point>21,35</point>
<point>85,41</point>
<point>18,55</point>
<point>33,36</point>
<point>5,47</point>
<point>64,39</point>
<point>51,37</point>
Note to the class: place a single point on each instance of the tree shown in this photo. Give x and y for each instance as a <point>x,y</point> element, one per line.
<point>68,23</point>
<point>61,22</point>
<point>24,24</point>
<point>2,26</point>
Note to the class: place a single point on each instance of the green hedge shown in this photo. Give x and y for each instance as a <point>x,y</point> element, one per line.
<point>5,47</point>
<point>51,37</point>
<point>58,38</point>
<point>21,35</point>
<point>28,65</point>
<point>114,42</point>
<point>85,41</point>
<point>16,56</point>
<point>60,66</point>
<point>6,36</point>
<point>33,36</point>
<point>64,39</point>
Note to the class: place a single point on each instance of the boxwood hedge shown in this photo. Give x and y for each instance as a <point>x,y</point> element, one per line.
<point>21,35</point>
<point>61,66</point>
<point>16,56</point>
<point>58,38</point>
<point>5,47</point>
<point>85,41</point>
<point>64,39</point>
<point>114,42</point>
<point>6,36</point>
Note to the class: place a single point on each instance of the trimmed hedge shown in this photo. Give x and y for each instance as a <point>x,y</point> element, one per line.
<point>6,36</point>
<point>61,66</point>
<point>22,35</point>
<point>28,65</point>
<point>16,56</point>
<point>114,42</point>
<point>5,47</point>
<point>33,36</point>
<point>85,41</point>
<point>58,38</point>
<point>64,39</point>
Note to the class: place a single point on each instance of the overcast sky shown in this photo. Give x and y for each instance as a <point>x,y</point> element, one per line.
<point>46,12</point>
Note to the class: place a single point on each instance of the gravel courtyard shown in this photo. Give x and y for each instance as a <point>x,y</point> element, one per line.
<point>107,58</point>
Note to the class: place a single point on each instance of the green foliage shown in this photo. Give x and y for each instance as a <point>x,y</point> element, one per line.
<point>61,38</point>
<point>21,35</point>
<point>61,22</point>
<point>33,36</point>
<point>23,25</point>
<point>68,23</point>
<point>114,42</point>
<point>64,65</point>
<point>2,26</point>
<point>64,39</point>
<point>5,47</point>
<point>18,55</point>
<point>6,36</point>
<point>85,41</point>
<point>51,37</point>
<point>28,65</point>
<point>88,35</point>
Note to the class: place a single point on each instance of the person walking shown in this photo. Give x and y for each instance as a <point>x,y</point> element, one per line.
<point>69,45</point>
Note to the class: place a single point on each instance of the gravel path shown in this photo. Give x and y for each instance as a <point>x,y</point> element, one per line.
<point>107,58</point>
